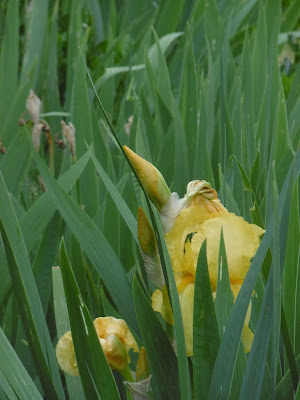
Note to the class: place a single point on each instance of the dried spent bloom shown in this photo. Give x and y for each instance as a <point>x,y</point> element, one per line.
<point>149,250</point>
<point>128,125</point>
<point>36,135</point>
<point>33,105</point>
<point>116,341</point>
<point>204,217</point>
<point>69,133</point>
<point>140,390</point>
<point>153,181</point>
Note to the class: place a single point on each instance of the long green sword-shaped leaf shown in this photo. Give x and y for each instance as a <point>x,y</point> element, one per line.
<point>117,198</point>
<point>37,217</point>
<point>26,294</point>
<point>94,244</point>
<point>95,374</point>
<point>226,359</point>
<point>254,374</point>
<point>205,329</point>
<point>62,326</point>
<point>159,350</point>
<point>15,372</point>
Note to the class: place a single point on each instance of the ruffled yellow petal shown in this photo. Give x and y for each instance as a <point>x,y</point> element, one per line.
<point>241,242</point>
<point>161,304</point>
<point>65,354</point>
<point>247,338</point>
<point>189,221</point>
<point>186,299</point>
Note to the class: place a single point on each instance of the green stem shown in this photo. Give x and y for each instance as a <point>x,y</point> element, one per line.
<point>127,375</point>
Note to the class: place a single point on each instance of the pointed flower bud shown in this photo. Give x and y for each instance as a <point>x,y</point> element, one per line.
<point>69,133</point>
<point>116,340</point>
<point>33,105</point>
<point>115,352</point>
<point>142,367</point>
<point>149,250</point>
<point>152,179</point>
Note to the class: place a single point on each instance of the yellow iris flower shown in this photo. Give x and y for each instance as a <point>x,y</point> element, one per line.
<point>201,214</point>
<point>205,218</point>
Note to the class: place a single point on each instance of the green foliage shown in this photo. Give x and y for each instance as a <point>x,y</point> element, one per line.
<point>203,90</point>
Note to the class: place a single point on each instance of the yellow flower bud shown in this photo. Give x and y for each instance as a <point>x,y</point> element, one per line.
<point>115,352</point>
<point>142,368</point>
<point>116,341</point>
<point>65,354</point>
<point>149,250</point>
<point>33,105</point>
<point>152,179</point>
<point>110,326</point>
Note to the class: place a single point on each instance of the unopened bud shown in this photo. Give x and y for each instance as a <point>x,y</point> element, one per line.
<point>115,352</point>
<point>33,105</point>
<point>69,133</point>
<point>142,367</point>
<point>115,338</point>
<point>152,179</point>
<point>149,250</point>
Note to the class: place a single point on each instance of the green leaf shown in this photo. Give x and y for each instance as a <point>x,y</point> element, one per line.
<point>116,197</point>
<point>161,356</point>
<point>95,374</point>
<point>37,217</point>
<point>254,374</point>
<point>94,244</point>
<point>82,120</point>
<point>9,59</point>
<point>27,297</point>
<point>223,374</point>
<point>14,371</point>
<point>62,326</point>
<point>205,329</point>
<point>36,29</point>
